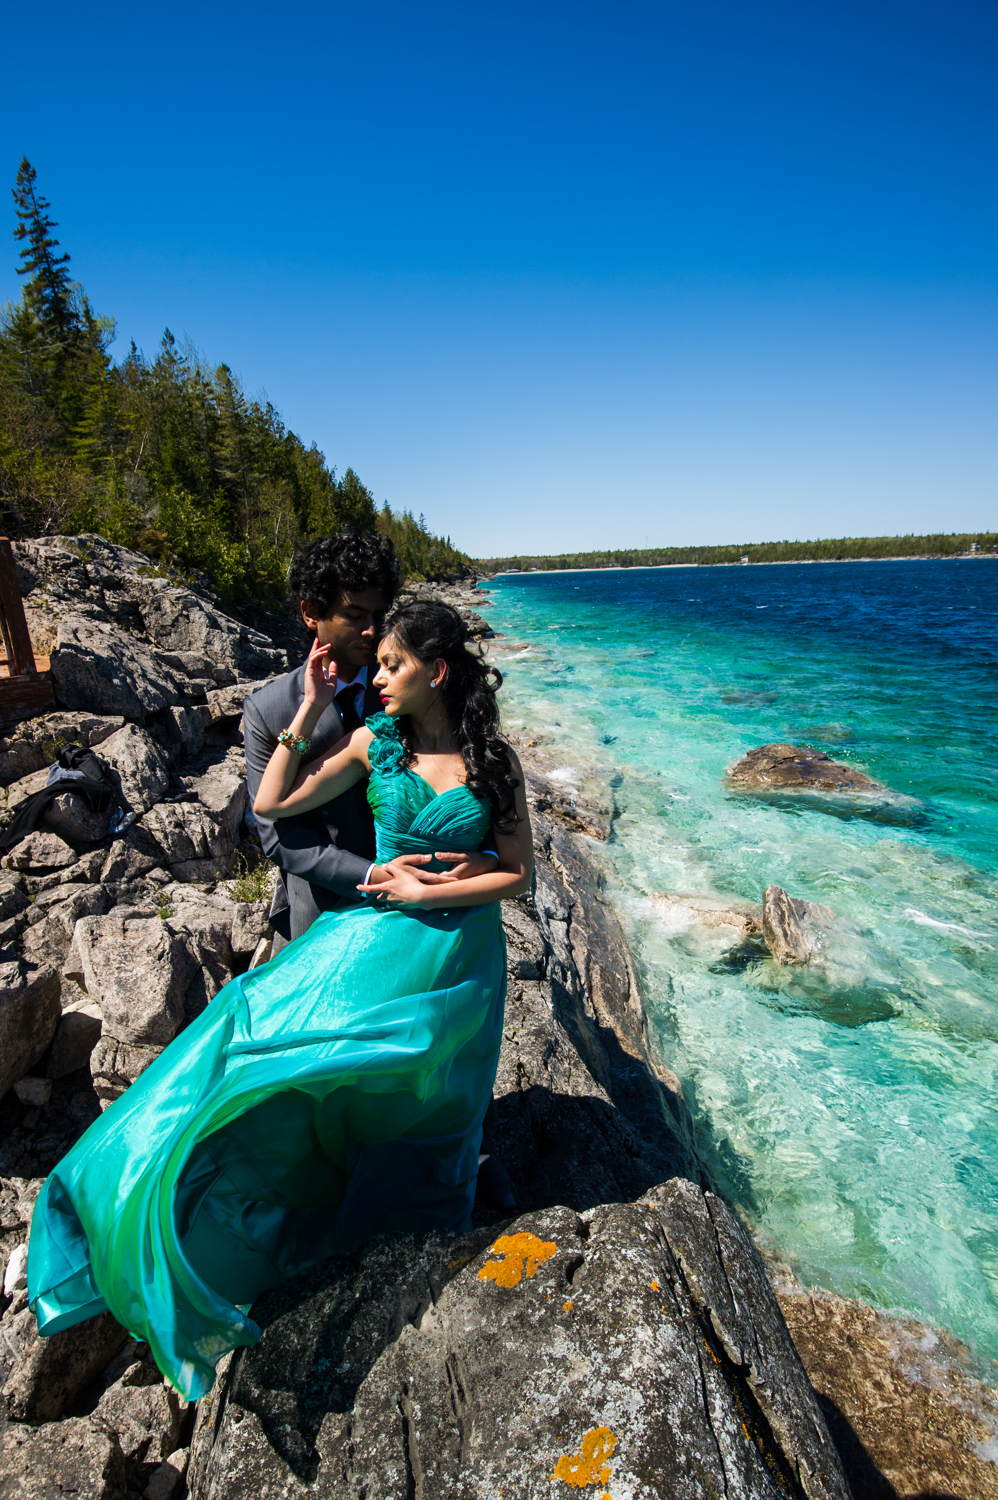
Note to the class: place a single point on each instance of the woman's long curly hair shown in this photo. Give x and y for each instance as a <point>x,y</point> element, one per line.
<point>427,629</point>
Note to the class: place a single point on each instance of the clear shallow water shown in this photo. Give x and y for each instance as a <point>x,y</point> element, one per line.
<point>850,1110</point>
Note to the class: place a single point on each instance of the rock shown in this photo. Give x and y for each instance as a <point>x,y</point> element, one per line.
<point>13,896</point>
<point>98,667</point>
<point>144,1418</point>
<point>226,704</point>
<point>250,926</point>
<point>183,730</point>
<point>639,1348</point>
<point>143,774</point>
<point>138,972</point>
<point>44,945</point>
<point>710,911</point>
<point>262,952</point>
<point>783,766</point>
<point>203,871</point>
<point>35,744</point>
<point>903,1402</point>
<point>175,832</point>
<point>50,1372</point>
<point>204,921</point>
<point>29,1015</point>
<point>34,1092</point>
<point>789,926</point>
<point>76,1036</point>
<point>125,862</point>
<point>40,851</point>
<point>15,1276</point>
<point>222,790</point>
<point>71,817</point>
<point>71,1458</point>
<point>168,1477</point>
<point>115,1065</point>
<point>69,903</point>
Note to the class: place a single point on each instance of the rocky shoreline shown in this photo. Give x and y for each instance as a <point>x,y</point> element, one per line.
<point>621,1324</point>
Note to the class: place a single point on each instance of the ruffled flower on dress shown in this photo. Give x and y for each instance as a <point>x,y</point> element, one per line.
<point>386,751</point>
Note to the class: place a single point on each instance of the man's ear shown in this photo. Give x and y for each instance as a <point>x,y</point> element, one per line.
<point>309,616</point>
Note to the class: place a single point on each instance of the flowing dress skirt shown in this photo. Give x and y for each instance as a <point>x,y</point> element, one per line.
<point>331,1095</point>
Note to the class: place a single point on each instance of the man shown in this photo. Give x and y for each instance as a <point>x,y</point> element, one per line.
<point>345,585</point>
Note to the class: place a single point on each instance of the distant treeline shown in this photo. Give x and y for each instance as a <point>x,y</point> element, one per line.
<point>166,455</point>
<point>950,545</point>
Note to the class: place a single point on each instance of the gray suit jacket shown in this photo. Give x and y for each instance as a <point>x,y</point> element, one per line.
<point>322,855</point>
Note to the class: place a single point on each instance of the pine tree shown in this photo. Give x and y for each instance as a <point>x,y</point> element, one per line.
<point>49,291</point>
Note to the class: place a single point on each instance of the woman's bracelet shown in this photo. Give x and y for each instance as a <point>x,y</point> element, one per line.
<point>296,743</point>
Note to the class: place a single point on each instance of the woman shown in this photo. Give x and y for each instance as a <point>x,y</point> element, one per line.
<point>338,1091</point>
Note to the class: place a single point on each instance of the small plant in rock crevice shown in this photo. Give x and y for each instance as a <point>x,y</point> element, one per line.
<point>251,882</point>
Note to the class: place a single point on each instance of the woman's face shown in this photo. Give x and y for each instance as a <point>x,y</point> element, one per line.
<point>404,682</point>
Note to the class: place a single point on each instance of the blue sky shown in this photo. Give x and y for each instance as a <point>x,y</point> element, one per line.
<point>555,275</point>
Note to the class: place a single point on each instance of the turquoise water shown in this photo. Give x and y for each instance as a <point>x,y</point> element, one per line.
<point>849,1109</point>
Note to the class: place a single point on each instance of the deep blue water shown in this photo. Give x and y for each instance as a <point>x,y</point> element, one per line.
<point>850,1109</point>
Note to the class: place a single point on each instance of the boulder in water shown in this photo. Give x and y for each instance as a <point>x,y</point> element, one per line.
<point>784,767</point>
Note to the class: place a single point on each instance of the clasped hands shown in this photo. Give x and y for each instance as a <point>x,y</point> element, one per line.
<point>402,881</point>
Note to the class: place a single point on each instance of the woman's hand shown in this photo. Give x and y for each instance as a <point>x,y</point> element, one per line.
<point>320,677</point>
<point>466,867</point>
<point>399,886</point>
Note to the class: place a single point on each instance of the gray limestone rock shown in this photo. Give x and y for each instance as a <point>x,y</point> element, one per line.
<point>138,972</point>
<point>50,1372</point>
<point>183,730</point>
<point>125,862</point>
<point>97,666</point>
<point>141,767</point>
<point>115,1065</point>
<point>13,896</point>
<point>141,1413</point>
<point>29,1015</point>
<point>222,791</point>
<point>178,831</point>
<point>70,1458</point>
<point>638,1349</point>
<point>76,1036</point>
<point>40,851</point>
<point>250,925</point>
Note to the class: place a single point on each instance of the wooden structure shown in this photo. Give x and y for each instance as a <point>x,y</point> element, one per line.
<point>25,681</point>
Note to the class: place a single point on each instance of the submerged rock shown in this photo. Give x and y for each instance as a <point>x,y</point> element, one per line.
<point>710,911</point>
<point>789,925</point>
<point>787,766</point>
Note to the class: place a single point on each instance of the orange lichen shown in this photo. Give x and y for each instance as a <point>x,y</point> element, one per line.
<point>588,1466</point>
<point>452,1265</point>
<point>653,1285</point>
<point>566,1307</point>
<point>522,1254</point>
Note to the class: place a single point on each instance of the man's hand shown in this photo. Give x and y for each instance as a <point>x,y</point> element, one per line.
<point>399,886</point>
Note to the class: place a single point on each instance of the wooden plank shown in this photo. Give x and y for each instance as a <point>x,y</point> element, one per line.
<point>25,698</point>
<point>15,627</point>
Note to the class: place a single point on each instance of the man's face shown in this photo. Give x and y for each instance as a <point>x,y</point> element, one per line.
<point>353,629</point>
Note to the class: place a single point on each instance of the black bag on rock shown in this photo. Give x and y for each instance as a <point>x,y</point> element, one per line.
<point>75,770</point>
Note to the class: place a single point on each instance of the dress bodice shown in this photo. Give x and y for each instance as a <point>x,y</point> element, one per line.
<point>410,817</point>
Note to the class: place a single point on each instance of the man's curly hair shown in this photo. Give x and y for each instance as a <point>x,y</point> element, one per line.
<point>347,560</point>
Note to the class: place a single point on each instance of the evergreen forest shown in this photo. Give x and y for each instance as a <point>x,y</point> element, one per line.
<point>951,544</point>
<point>166,455</point>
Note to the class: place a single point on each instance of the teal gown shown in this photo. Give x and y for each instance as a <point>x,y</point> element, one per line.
<point>330,1095</point>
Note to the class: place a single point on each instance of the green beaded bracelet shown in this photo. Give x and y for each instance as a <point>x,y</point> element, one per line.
<point>296,743</point>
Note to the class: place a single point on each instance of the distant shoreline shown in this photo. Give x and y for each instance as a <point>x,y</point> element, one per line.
<point>788,562</point>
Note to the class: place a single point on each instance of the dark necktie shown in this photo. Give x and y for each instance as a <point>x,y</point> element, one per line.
<point>346,702</point>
